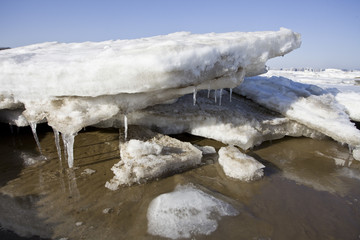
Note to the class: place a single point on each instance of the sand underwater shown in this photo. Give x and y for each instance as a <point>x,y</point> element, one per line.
<point>310,190</point>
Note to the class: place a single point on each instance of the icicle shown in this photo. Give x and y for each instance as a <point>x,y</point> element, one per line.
<point>208,91</point>
<point>57,142</point>
<point>33,128</point>
<point>220,97</point>
<point>126,126</point>
<point>194,95</point>
<point>215,95</point>
<point>68,140</point>
<point>230,94</point>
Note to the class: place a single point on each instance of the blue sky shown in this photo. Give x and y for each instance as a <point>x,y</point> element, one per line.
<point>330,29</point>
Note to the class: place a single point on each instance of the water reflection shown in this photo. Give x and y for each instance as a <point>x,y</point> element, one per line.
<point>302,182</point>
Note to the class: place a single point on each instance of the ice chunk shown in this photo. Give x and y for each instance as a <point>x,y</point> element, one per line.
<point>239,165</point>
<point>304,103</point>
<point>13,117</point>
<point>185,212</point>
<point>157,156</point>
<point>206,149</point>
<point>88,171</point>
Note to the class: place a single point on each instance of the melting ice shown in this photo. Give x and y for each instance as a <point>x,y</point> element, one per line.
<point>185,212</point>
<point>99,80</point>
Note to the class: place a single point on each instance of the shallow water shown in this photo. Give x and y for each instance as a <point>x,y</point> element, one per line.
<point>311,190</point>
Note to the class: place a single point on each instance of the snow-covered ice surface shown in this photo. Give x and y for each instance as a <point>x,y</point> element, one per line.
<point>305,103</point>
<point>239,165</point>
<point>240,122</point>
<point>149,155</point>
<point>344,85</point>
<point>186,212</point>
<point>75,85</point>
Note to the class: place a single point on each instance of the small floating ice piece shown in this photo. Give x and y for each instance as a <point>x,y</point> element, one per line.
<point>185,212</point>
<point>206,149</point>
<point>239,165</point>
<point>88,171</point>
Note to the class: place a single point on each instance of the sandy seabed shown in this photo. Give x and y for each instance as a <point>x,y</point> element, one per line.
<point>310,190</point>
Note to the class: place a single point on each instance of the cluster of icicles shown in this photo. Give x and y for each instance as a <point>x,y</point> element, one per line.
<point>69,139</point>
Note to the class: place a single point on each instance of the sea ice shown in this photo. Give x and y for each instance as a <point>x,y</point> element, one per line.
<point>241,122</point>
<point>305,103</point>
<point>344,85</point>
<point>75,85</point>
<point>185,212</point>
<point>239,165</point>
<point>159,155</point>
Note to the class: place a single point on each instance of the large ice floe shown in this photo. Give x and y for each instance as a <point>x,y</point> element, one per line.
<point>186,212</point>
<point>74,85</point>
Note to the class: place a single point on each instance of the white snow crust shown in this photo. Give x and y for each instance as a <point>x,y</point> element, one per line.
<point>185,212</point>
<point>239,165</point>
<point>75,85</point>
<point>344,85</point>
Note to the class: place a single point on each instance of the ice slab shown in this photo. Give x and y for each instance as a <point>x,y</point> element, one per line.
<point>75,85</point>
<point>240,122</point>
<point>186,212</point>
<point>239,165</point>
<point>149,155</point>
<point>305,103</point>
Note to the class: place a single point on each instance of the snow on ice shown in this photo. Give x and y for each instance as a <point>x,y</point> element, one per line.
<point>75,85</point>
<point>185,212</point>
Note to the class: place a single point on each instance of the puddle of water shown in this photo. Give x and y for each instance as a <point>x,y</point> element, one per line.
<point>305,194</point>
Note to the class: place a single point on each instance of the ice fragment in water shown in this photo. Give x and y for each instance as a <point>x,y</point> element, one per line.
<point>239,165</point>
<point>194,95</point>
<point>69,147</point>
<point>33,129</point>
<point>185,212</point>
<point>230,94</point>
<point>125,126</point>
<point>57,142</point>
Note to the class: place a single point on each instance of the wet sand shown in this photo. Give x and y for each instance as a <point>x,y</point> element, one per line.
<point>311,190</point>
